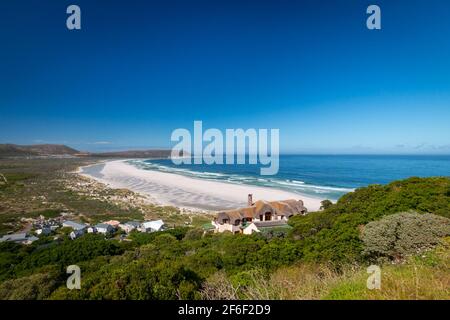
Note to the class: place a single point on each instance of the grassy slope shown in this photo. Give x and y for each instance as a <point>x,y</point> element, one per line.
<point>423,277</point>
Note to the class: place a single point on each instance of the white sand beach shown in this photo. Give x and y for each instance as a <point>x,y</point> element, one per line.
<point>186,192</point>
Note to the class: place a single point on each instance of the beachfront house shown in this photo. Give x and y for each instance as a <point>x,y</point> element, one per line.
<point>104,228</point>
<point>22,238</point>
<point>152,226</point>
<point>129,226</point>
<point>258,215</point>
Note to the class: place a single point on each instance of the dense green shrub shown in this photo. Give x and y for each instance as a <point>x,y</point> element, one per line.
<point>175,263</point>
<point>325,204</point>
<point>334,233</point>
<point>35,287</point>
<point>194,234</point>
<point>396,236</point>
<point>64,254</point>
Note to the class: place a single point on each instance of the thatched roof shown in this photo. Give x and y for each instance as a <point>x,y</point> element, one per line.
<point>231,215</point>
<point>285,208</point>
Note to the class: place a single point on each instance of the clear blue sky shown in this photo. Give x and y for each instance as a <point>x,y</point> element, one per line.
<point>139,69</point>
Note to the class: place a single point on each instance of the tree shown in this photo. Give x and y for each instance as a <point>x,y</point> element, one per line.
<point>396,236</point>
<point>325,204</point>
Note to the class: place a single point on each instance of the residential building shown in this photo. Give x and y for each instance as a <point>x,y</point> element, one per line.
<point>91,229</point>
<point>22,238</point>
<point>76,233</point>
<point>129,226</point>
<point>113,223</point>
<point>45,231</point>
<point>152,226</point>
<point>236,221</point>
<point>74,225</point>
<point>104,228</point>
<point>261,226</point>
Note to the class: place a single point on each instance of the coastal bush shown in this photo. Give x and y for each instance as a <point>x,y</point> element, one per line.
<point>140,238</point>
<point>402,234</point>
<point>325,204</point>
<point>11,254</point>
<point>334,233</point>
<point>66,253</point>
<point>420,277</point>
<point>184,263</point>
<point>193,234</point>
<point>35,287</point>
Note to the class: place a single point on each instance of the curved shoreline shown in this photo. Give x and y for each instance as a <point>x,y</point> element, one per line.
<point>186,192</point>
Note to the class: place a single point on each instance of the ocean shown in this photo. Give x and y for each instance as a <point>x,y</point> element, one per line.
<point>324,176</point>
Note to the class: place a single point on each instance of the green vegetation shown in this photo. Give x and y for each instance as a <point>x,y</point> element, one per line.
<point>322,255</point>
<point>403,234</point>
<point>10,182</point>
<point>325,204</point>
<point>49,186</point>
<point>334,234</point>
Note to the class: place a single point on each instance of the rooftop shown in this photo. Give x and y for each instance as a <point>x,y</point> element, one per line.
<point>103,226</point>
<point>271,224</point>
<point>74,225</point>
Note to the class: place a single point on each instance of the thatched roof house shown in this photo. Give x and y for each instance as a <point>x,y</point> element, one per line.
<point>234,220</point>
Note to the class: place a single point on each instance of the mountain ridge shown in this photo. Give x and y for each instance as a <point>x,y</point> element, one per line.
<point>39,150</point>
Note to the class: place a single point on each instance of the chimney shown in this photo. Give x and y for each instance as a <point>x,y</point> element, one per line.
<point>250,200</point>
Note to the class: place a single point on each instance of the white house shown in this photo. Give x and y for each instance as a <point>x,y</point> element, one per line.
<point>44,231</point>
<point>259,226</point>
<point>129,226</point>
<point>152,226</point>
<point>76,234</point>
<point>104,228</point>
<point>91,229</point>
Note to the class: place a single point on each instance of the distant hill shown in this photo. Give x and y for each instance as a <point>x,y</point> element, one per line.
<point>14,150</point>
<point>134,154</point>
<point>39,150</point>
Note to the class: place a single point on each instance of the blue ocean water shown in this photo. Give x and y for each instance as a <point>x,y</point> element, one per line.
<point>324,176</point>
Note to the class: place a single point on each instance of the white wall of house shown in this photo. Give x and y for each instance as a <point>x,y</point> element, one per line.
<point>103,230</point>
<point>152,226</point>
<point>250,229</point>
<point>225,227</point>
<point>44,231</point>
<point>126,227</point>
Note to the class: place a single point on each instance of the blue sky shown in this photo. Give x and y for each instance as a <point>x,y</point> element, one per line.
<point>139,69</point>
